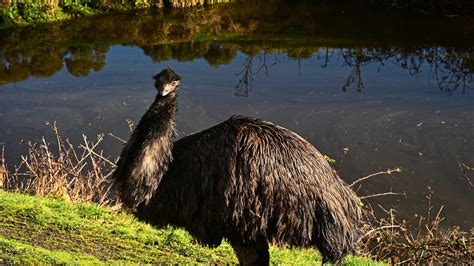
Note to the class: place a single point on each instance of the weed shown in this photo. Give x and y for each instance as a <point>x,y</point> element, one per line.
<point>73,173</point>
<point>421,240</point>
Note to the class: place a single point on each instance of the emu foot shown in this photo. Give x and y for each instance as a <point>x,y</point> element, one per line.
<point>252,253</point>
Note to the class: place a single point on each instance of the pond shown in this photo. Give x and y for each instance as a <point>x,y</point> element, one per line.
<point>396,90</point>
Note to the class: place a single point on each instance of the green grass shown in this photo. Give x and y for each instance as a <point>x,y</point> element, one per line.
<point>30,12</point>
<point>35,230</point>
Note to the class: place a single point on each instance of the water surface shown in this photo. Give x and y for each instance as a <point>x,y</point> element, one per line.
<point>396,90</point>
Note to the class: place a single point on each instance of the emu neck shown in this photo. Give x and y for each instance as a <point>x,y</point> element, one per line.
<point>146,156</point>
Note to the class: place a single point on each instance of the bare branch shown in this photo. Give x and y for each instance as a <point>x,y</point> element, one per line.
<point>117,138</point>
<point>387,172</point>
<point>383,194</point>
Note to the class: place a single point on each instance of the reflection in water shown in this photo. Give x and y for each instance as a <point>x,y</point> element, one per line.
<point>185,35</point>
<point>83,59</point>
<point>214,53</point>
<point>253,66</point>
<point>449,68</point>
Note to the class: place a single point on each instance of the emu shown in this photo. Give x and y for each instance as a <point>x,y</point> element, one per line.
<point>246,180</point>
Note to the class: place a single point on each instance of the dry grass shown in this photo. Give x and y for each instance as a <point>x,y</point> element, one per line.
<point>421,240</point>
<point>76,173</point>
<point>466,170</point>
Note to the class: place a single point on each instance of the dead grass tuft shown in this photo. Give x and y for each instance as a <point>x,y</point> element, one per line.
<point>421,240</point>
<point>73,173</point>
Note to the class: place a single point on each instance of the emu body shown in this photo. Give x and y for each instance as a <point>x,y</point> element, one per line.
<point>246,180</point>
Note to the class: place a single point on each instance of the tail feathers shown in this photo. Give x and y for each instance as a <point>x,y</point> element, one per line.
<point>338,228</point>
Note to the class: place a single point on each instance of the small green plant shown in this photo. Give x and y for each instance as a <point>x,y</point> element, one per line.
<point>30,11</point>
<point>33,11</point>
<point>329,159</point>
<point>76,9</point>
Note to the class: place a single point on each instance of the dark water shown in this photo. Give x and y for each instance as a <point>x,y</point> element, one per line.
<point>396,90</point>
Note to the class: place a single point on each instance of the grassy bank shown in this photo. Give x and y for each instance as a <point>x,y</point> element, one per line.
<point>37,230</point>
<point>15,12</point>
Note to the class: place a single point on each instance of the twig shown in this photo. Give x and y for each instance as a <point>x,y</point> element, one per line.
<point>378,229</point>
<point>3,169</point>
<point>388,172</point>
<point>382,194</point>
<point>44,170</point>
<point>117,138</point>
<point>90,150</point>
<point>464,168</point>
<point>345,150</point>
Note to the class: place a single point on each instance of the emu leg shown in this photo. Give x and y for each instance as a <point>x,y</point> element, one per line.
<point>252,253</point>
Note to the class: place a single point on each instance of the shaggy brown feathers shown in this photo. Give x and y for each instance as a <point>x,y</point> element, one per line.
<point>145,157</point>
<point>246,180</point>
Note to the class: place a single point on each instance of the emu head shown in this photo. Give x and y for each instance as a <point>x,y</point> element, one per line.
<point>167,81</point>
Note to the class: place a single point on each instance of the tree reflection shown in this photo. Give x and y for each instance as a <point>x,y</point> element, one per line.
<point>354,79</point>
<point>81,45</point>
<point>253,66</point>
<point>220,54</point>
<point>215,54</point>
<point>17,66</point>
<point>82,59</point>
<point>449,68</point>
<point>355,58</point>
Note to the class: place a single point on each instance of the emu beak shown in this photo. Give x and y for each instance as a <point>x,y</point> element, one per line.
<point>170,87</point>
<point>165,91</point>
